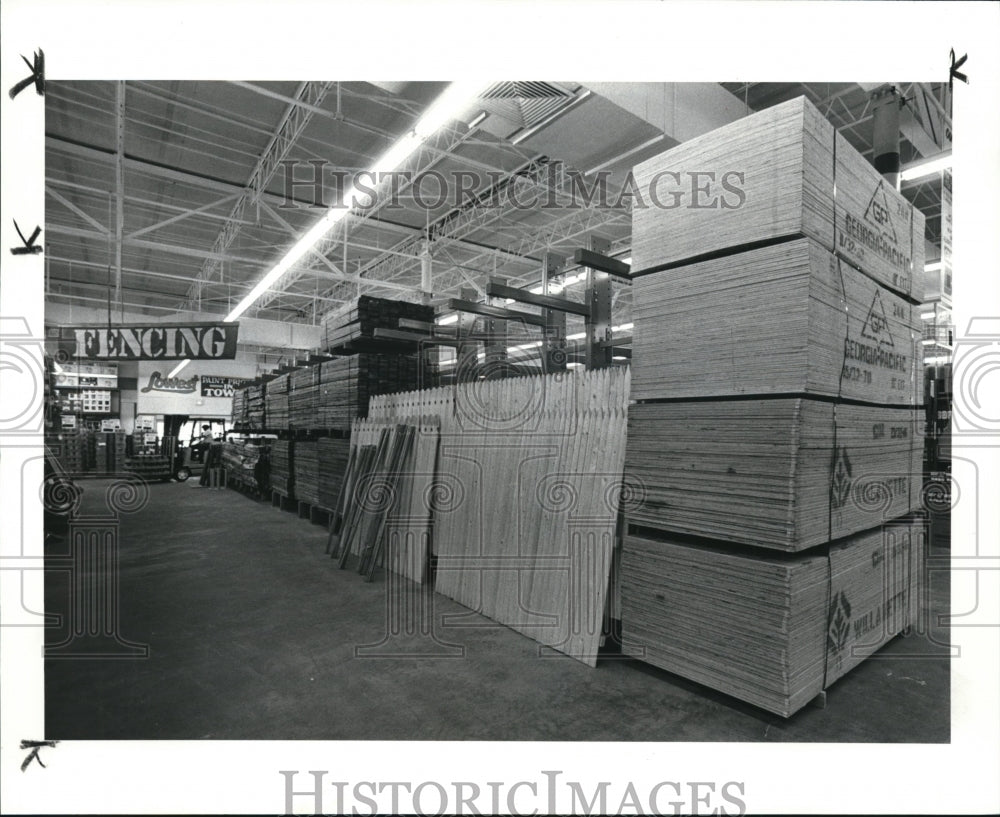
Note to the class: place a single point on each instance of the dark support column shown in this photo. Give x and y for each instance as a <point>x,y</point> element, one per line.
<point>554,341</point>
<point>886,104</point>
<point>598,325</point>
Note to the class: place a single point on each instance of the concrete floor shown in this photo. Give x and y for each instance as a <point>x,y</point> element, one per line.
<point>252,633</point>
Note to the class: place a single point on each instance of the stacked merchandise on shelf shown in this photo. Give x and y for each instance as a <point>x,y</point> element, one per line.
<point>74,450</point>
<point>354,330</point>
<point>276,402</point>
<point>281,473</point>
<point>775,445</point>
<point>109,452</point>
<point>149,465</point>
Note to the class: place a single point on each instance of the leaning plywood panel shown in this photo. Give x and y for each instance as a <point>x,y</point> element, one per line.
<point>771,630</point>
<point>776,174</point>
<point>786,474</point>
<point>790,318</point>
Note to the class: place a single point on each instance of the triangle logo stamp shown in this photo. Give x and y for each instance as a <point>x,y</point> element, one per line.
<point>880,214</point>
<point>839,625</point>
<point>841,479</point>
<point>877,324</point>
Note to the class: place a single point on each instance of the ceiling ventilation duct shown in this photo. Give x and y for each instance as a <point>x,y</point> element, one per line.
<point>516,107</point>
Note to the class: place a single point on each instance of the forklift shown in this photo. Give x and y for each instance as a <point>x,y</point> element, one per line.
<point>195,437</point>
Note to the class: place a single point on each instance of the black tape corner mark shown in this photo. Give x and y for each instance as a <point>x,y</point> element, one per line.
<point>30,247</point>
<point>37,77</point>
<point>34,746</point>
<point>954,73</point>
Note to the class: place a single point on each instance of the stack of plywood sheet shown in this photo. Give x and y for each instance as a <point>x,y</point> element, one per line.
<point>281,472</point>
<point>769,629</point>
<point>781,173</point>
<point>776,374</point>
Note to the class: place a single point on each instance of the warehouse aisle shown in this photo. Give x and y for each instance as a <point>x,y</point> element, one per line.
<point>252,634</point>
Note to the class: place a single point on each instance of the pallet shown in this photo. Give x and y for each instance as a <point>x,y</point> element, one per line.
<point>282,501</point>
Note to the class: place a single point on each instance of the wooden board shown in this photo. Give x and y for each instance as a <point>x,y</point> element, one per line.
<point>785,319</point>
<point>782,172</point>
<point>306,471</point>
<point>785,474</point>
<point>771,630</point>
<point>276,403</point>
<point>281,467</point>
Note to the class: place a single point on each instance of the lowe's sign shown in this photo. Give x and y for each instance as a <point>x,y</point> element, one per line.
<point>162,341</point>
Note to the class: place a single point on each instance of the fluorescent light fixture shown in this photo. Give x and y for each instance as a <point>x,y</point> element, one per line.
<point>577,336</point>
<point>933,266</point>
<point>928,342</point>
<point>451,103</point>
<point>618,357</point>
<point>627,260</point>
<point>928,168</point>
<point>926,315</point>
<point>482,115</point>
<point>622,327</point>
<point>178,367</point>
<point>448,319</point>
<point>573,364</point>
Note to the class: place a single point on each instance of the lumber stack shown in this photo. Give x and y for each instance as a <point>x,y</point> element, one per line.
<point>276,403</point>
<point>306,471</point>
<point>775,434</point>
<point>347,384</point>
<point>240,459</point>
<point>333,454</point>
<point>768,629</point>
<point>255,405</point>
<point>780,173</point>
<point>281,471</point>
<point>354,330</point>
<point>303,397</point>
<point>240,412</point>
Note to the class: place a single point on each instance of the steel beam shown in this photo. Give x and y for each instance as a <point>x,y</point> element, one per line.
<point>119,183</point>
<point>74,209</point>
<point>293,122</point>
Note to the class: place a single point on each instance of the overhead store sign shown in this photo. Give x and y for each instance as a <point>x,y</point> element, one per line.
<point>212,386</point>
<point>161,341</point>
